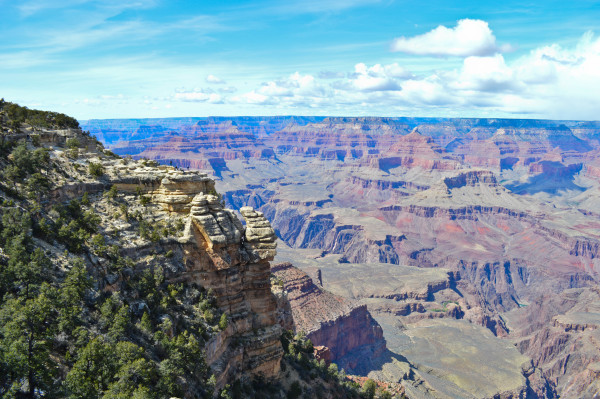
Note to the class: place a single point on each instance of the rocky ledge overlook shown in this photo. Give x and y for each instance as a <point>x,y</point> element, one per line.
<point>158,244</point>
<point>220,254</point>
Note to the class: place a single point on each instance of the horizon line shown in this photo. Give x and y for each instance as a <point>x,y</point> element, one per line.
<point>338,117</point>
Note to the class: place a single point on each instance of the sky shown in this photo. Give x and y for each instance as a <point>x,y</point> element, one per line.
<point>159,58</point>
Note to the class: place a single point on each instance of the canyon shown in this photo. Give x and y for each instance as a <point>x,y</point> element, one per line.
<point>459,256</point>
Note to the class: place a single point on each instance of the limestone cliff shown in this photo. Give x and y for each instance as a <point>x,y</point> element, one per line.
<point>220,254</point>
<point>214,251</point>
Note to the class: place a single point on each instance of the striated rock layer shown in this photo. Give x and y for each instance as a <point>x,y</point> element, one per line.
<point>341,325</point>
<point>220,254</point>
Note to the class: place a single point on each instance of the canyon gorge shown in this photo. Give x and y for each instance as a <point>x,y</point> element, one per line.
<point>456,257</point>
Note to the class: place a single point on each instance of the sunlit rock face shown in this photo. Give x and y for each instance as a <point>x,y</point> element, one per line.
<point>221,254</point>
<point>343,326</point>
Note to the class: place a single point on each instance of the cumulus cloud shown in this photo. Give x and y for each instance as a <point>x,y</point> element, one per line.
<point>378,77</point>
<point>470,37</point>
<point>549,82</point>
<point>296,90</point>
<point>198,95</point>
<point>214,79</point>
<point>228,89</point>
<point>552,81</point>
<point>486,74</point>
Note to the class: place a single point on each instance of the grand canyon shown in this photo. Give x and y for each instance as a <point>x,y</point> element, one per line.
<point>450,257</point>
<point>328,199</point>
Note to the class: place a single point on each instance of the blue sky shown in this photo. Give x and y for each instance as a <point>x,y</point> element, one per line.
<point>158,58</point>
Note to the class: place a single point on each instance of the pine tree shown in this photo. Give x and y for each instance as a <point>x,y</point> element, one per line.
<point>26,330</point>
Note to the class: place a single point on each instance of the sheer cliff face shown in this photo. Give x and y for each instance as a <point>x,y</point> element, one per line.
<point>219,253</point>
<point>343,326</point>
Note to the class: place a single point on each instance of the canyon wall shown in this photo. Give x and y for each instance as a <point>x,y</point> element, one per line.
<point>219,254</point>
<point>344,327</point>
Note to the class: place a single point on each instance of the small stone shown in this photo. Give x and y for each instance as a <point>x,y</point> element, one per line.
<point>111,278</point>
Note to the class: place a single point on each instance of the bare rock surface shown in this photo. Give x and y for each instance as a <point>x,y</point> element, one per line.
<point>343,326</point>
<point>561,333</point>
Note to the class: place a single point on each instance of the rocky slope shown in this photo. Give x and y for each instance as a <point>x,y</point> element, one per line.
<point>561,333</point>
<point>336,325</point>
<point>213,251</point>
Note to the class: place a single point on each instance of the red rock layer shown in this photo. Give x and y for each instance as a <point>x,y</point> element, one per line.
<point>328,320</point>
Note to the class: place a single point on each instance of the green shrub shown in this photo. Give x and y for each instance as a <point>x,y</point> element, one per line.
<point>145,200</point>
<point>111,194</point>
<point>73,143</point>
<point>295,390</point>
<point>223,322</point>
<point>96,169</point>
<point>369,388</point>
<point>35,140</point>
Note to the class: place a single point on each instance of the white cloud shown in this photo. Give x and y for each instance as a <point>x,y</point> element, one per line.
<point>378,77</point>
<point>214,79</point>
<point>486,74</point>
<point>199,95</point>
<point>228,89</point>
<point>253,98</point>
<point>550,82</point>
<point>470,37</point>
<point>296,90</point>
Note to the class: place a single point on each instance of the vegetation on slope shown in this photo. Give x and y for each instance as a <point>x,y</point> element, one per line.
<point>61,335</point>
<point>17,115</point>
<point>81,319</point>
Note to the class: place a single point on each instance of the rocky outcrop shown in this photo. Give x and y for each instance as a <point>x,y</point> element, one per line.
<point>238,271</point>
<point>471,178</point>
<point>220,254</point>
<point>565,345</point>
<point>343,326</point>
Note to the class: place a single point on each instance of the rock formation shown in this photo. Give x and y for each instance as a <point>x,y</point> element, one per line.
<point>341,325</point>
<point>238,272</point>
<point>220,254</point>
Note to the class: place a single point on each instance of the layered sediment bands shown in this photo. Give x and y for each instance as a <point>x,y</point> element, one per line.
<point>199,147</point>
<point>552,143</point>
<point>471,179</point>
<point>566,344</point>
<point>384,184</point>
<point>337,138</point>
<point>416,150</point>
<point>173,189</point>
<point>323,231</point>
<point>345,327</point>
<point>218,253</point>
<point>467,213</point>
<point>238,272</point>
